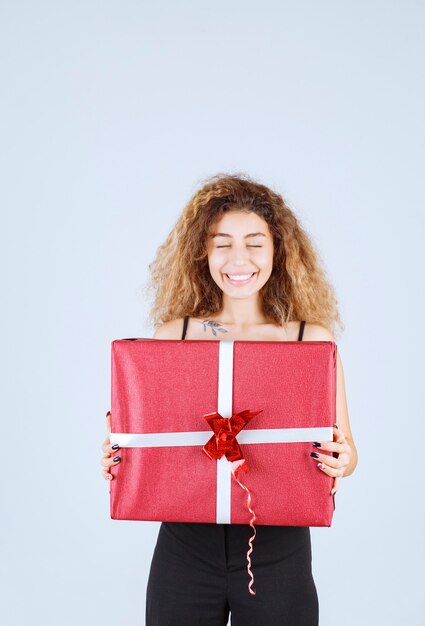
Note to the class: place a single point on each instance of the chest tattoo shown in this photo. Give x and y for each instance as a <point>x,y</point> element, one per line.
<point>213,326</point>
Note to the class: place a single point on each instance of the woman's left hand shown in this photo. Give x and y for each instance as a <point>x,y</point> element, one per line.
<point>334,466</point>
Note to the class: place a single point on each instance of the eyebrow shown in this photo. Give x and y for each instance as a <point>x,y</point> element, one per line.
<point>227,235</point>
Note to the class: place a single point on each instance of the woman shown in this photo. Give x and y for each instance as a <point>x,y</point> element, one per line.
<point>239,266</point>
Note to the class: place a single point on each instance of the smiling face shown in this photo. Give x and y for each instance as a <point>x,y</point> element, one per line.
<point>240,253</point>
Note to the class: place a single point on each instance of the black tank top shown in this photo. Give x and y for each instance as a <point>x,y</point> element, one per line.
<point>186,321</point>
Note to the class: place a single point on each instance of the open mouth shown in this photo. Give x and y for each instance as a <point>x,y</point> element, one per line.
<point>239,279</point>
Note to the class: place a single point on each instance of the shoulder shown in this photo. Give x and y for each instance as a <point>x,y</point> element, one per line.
<point>169,330</point>
<point>315,332</point>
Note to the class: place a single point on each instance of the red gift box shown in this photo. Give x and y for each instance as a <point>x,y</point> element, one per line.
<point>163,392</point>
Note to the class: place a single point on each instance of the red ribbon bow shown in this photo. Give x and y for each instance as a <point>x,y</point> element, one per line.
<point>225,430</point>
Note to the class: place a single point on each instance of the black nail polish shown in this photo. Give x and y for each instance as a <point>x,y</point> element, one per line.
<point>117,458</point>
<point>115,447</point>
<point>316,444</point>
<point>316,456</point>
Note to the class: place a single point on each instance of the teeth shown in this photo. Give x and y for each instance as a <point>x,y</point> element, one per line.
<point>239,276</point>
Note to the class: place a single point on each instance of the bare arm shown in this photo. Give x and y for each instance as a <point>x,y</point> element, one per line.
<point>343,444</point>
<point>343,420</point>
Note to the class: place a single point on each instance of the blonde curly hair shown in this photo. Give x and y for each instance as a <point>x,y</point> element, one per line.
<point>179,276</point>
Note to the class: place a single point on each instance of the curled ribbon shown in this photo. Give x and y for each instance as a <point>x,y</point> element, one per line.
<point>223,442</point>
<point>237,467</point>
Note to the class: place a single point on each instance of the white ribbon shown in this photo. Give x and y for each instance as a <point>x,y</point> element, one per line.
<point>199,438</point>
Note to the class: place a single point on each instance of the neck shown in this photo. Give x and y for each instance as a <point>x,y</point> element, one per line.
<point>242,313</point>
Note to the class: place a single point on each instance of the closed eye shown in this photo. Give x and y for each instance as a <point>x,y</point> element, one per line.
<point>247,246</point>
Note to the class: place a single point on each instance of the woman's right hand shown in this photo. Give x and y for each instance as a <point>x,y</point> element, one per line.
<point>108,460</point>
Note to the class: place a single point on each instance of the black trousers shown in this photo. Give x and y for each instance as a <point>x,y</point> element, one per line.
<point>198,576</point>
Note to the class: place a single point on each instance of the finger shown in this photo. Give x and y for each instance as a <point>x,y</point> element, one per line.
<point>106,474</point>
<point>339,462</point>
<point>332,446</point>
<point>330,471</point>
<point>107,461</point>
<point>108,422</point>
<point>108,448</point>
<point>105,470</point>
<point>335,487</point>
<point>337,432</point>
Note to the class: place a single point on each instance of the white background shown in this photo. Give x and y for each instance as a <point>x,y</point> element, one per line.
<point>111,115</point>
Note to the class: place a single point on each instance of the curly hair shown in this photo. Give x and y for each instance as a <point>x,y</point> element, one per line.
<point>179,275</point>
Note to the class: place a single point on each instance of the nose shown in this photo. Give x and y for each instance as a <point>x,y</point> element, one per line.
<point>239,256</point>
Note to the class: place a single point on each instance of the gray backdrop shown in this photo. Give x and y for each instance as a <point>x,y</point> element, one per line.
<point>111,115</point>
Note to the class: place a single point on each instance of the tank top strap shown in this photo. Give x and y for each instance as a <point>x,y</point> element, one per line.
<point>300,334</point>
<point>185,323</point>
